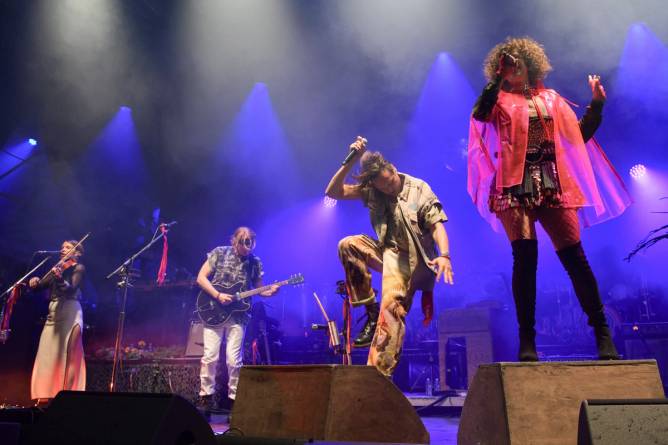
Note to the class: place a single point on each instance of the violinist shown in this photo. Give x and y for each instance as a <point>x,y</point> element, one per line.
<point>59,364</point>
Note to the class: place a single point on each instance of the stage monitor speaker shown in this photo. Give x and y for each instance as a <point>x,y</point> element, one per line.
<point>16,424</point>
<point>538,403</point>
<point>324,402</point>
<point>195,345</point>
<point>622,422</point>
<point>77,417</point>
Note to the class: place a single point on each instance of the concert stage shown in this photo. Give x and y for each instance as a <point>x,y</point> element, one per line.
<point>520,403</point>
<point>195,190</point>
<point>442,430</point>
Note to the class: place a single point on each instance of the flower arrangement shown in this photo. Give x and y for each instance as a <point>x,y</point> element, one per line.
<point>140,351</point>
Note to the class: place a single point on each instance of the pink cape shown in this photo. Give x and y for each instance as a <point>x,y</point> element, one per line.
<point>497,152</point>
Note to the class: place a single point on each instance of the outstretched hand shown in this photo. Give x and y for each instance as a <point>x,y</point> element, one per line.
<point>443,267</point>
<point>597,90</point>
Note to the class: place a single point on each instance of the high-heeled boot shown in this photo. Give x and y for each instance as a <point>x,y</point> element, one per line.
<point>575,262</point>
<point>525,264</point>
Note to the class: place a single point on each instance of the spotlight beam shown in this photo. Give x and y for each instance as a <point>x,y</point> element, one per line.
<point>16,167</point>
<point>14,156</point>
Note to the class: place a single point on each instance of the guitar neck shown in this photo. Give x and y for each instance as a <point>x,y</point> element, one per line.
<point>259,290</point>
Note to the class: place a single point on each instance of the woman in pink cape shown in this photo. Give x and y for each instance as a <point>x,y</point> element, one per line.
<point>531,160</point>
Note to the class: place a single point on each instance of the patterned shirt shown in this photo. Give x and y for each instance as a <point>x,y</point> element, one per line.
<point>230,268</point>
<point>407,219</point>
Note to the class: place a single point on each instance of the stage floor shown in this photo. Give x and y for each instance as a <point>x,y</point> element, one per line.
<point>442,429</point>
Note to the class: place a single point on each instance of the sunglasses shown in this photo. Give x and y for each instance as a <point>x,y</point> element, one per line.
<point>247,242</point>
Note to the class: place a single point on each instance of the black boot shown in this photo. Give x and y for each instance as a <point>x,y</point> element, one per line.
<point>205,405</point>
<point>366,335</point>
<point>606,348</point>
<point>575,262</point>
<point>525,264</point>
<point>527,352</point>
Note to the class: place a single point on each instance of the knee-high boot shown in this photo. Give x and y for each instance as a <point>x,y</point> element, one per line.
<point>525,264</point>
<point>575,262</point>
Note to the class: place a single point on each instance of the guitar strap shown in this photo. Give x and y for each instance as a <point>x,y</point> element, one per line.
<point>252,270</point>
<point>216,280</point>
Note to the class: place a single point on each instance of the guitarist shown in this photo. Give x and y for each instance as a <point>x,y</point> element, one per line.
<point>229,265</point>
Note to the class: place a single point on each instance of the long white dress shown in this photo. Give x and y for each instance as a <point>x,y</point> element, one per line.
<point>54,358</point>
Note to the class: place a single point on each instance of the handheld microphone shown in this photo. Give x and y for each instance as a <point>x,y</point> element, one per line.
<point>169,224</point>
<point>351,154</point>
<point>509,60</point>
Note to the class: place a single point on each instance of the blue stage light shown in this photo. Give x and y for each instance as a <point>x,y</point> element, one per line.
<point>32,142</point>
<point>638,171</point>
<point>329,202</point>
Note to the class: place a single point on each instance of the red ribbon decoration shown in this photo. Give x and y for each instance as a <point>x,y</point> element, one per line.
<point>427,307</point>
<point>347,315</point>
<point>255,350</point>
<point>162,271</point>
<point>13,297</point>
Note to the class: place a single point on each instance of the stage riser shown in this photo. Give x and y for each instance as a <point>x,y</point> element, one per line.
<point>539,403</point>
<point>333,403</point>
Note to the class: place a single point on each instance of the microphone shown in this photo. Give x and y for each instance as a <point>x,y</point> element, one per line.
<point>169,224</point>
<point>46,252</point>
<point>351,154</point>
<point>509,60</point>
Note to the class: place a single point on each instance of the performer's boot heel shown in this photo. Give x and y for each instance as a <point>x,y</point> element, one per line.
<point>527,352</point>
<point>606,348</point>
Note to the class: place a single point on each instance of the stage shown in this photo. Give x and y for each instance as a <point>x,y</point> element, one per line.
<point>356,217</point>
<point>442,430</point>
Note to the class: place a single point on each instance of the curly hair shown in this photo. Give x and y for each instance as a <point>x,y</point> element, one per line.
<point>371,164</point>
<point>530,51</point>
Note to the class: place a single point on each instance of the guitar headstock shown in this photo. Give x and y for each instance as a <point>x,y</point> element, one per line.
<point>296,279</point>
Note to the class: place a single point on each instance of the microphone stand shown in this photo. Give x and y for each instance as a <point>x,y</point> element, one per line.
<point>4,334</point>
<point>347,347</point>
<point>334,335</point>
<point>124,272</point>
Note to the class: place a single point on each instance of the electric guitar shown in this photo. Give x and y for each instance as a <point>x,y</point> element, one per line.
<point>214,313</point>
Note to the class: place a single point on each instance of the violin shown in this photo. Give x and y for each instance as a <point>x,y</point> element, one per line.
<point>68,260</point>
<point>61,267</point>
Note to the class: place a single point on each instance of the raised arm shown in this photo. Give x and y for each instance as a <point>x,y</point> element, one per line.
<point>593,116</point>
<point>336,188</point>
<point>482,110</point>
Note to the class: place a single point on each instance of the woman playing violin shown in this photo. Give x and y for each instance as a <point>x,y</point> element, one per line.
<point>59,363</point>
